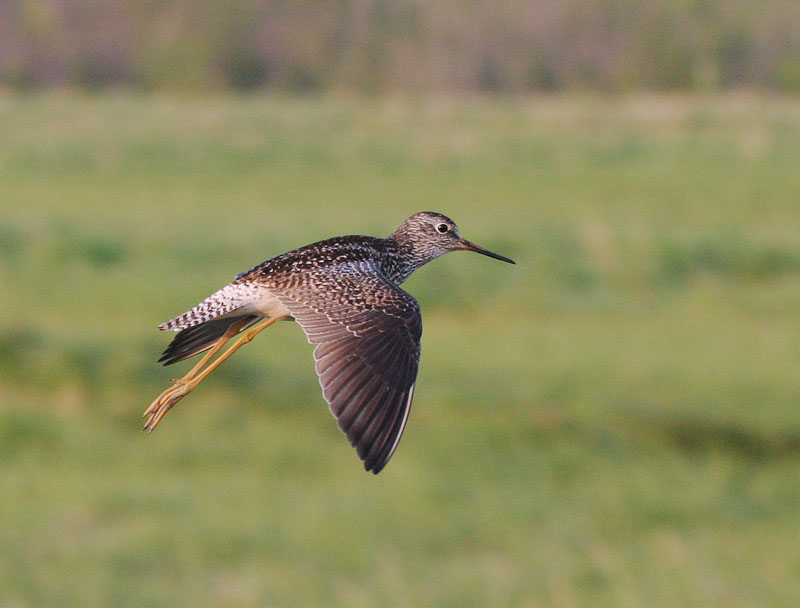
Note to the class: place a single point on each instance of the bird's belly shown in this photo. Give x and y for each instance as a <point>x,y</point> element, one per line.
<point>270,306</point>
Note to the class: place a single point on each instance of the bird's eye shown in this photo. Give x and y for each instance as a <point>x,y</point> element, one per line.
<point>442,228</point>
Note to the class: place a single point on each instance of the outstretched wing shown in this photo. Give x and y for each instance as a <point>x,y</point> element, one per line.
<point>367,332</point>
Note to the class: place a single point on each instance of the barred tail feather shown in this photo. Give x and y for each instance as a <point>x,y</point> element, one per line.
<point>236,297</point>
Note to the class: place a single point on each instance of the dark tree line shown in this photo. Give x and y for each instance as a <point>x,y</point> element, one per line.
<point>504,46</point>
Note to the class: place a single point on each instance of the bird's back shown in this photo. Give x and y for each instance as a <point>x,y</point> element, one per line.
<point>319,257</point>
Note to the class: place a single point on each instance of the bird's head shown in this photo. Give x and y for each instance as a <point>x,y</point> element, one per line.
<point>429,235</point>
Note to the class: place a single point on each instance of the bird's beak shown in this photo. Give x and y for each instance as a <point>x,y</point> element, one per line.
<point>469,246</point>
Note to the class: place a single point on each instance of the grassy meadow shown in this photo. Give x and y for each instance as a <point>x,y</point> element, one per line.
<point>612,422</point>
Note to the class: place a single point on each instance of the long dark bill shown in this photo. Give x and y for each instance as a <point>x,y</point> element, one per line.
<point>470,246</point>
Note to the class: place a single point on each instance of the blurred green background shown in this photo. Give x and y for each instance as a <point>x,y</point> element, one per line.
<point>611,422</point>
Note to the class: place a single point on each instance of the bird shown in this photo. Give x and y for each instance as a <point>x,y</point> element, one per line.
<point>344,293</point>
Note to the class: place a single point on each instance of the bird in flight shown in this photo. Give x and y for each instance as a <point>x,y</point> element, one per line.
<point>344,294</point>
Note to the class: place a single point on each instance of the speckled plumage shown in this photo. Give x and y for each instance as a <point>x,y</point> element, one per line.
<point>344,294</point>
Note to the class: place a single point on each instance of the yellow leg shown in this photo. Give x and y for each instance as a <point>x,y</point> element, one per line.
<point>182,387</point>
<point>232,331</point>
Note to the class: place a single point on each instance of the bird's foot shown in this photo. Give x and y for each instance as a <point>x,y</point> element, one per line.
<point>164,402</point>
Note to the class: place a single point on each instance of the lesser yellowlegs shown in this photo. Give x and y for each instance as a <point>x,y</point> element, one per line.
<point>344,294</point>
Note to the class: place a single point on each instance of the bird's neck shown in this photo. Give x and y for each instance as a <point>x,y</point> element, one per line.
<point>399,260</point>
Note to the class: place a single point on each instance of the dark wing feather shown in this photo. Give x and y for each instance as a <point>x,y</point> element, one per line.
<point>367,332</point>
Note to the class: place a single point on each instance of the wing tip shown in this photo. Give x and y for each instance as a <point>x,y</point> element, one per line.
<point>375,461</point>
<point>374,469</point>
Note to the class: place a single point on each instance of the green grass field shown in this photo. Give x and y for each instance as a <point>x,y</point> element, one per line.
<point>611,422</point>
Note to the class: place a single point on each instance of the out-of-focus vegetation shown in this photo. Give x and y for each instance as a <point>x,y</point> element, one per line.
<point>611,422</point>
<point>400,45</point>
